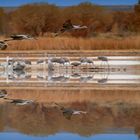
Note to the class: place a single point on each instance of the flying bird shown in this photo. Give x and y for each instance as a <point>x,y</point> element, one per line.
<point>21,37</point>
<point>4,45</point>
<point>68,26</point>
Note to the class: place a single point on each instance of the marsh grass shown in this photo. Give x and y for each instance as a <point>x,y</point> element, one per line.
<point>72,43</point>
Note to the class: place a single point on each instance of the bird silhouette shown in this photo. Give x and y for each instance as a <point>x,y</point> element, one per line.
<point>68,112</point>
<point>75,64</point>
<point>103,81</point>
<point>103,58</point>
<point>68,26</point>
<point>3,93</point>
<point>86,60</point>
<point>59,79</point>
<point>3,45</point>
<point>19,101</point>
<point>20,37</point>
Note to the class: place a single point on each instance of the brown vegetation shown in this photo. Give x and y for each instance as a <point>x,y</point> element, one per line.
<point>38,19</point>
<point>40,119</point>
<point>71,96</point>
<point>71,43</point>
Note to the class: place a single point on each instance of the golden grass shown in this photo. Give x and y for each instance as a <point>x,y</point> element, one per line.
<point>71,43</point>
<point>70,96</point>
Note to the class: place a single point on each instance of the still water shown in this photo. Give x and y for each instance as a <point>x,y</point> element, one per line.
<point>69,136</point>
<point>105,115</point>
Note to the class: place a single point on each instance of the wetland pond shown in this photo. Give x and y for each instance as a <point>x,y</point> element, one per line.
<point>73,96</point>
<point>73,114</point>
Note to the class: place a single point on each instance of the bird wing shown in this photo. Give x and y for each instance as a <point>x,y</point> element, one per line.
<point>17,101</point>
<point>67,24</point>
<point>67,115</point>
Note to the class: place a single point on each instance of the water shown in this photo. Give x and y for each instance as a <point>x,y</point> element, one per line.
<point>69,136</point>
<point>59,70</point>
<point>96,101</point>
<point>116,116</point>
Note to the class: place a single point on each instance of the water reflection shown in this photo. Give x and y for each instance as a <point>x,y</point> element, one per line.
<point>69,136</point>
<point>69,112</point>
<point>70,71</point>
<point>46,119</point>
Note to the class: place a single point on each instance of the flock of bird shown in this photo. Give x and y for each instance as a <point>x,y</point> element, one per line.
<point>74,64</point>
<point>67,112</point>
<point>67,26</point>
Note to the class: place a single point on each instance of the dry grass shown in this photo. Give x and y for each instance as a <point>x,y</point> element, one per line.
<point>70,96</point>
<point>71,43</point>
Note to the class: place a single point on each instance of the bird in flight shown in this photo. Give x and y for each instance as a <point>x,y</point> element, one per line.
<point>21,37</point>
<point>68,26</point>
<point>4,45</point>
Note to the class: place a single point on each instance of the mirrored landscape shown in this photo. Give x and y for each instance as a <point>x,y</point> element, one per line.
<point>73,114</point>
<point>92,95</point>
<point>73,70</point>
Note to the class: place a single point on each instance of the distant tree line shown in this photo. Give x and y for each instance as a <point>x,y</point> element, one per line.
<point>38,19</point>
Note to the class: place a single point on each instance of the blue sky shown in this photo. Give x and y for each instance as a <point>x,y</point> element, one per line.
<point>67,2</point>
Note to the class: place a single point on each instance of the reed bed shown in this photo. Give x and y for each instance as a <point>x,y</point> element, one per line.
<point>72,43</point>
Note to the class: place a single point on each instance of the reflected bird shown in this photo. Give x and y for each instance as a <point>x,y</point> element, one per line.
<point>3,45</point>
<point>102,81</point>
<point>19,65</point>
<point>41,61</point>
<point>66,60</point>
<point>68,26</point>
<point>59,79</point>
<point>102,58</point>
<point>58,60</point>
<point>75,75</point>
<point>67,112</point>
<point>75,64</point>
<point>85,79</point>
<point>19,101</point>
<point>86,60</point>
<point>3,93</point>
